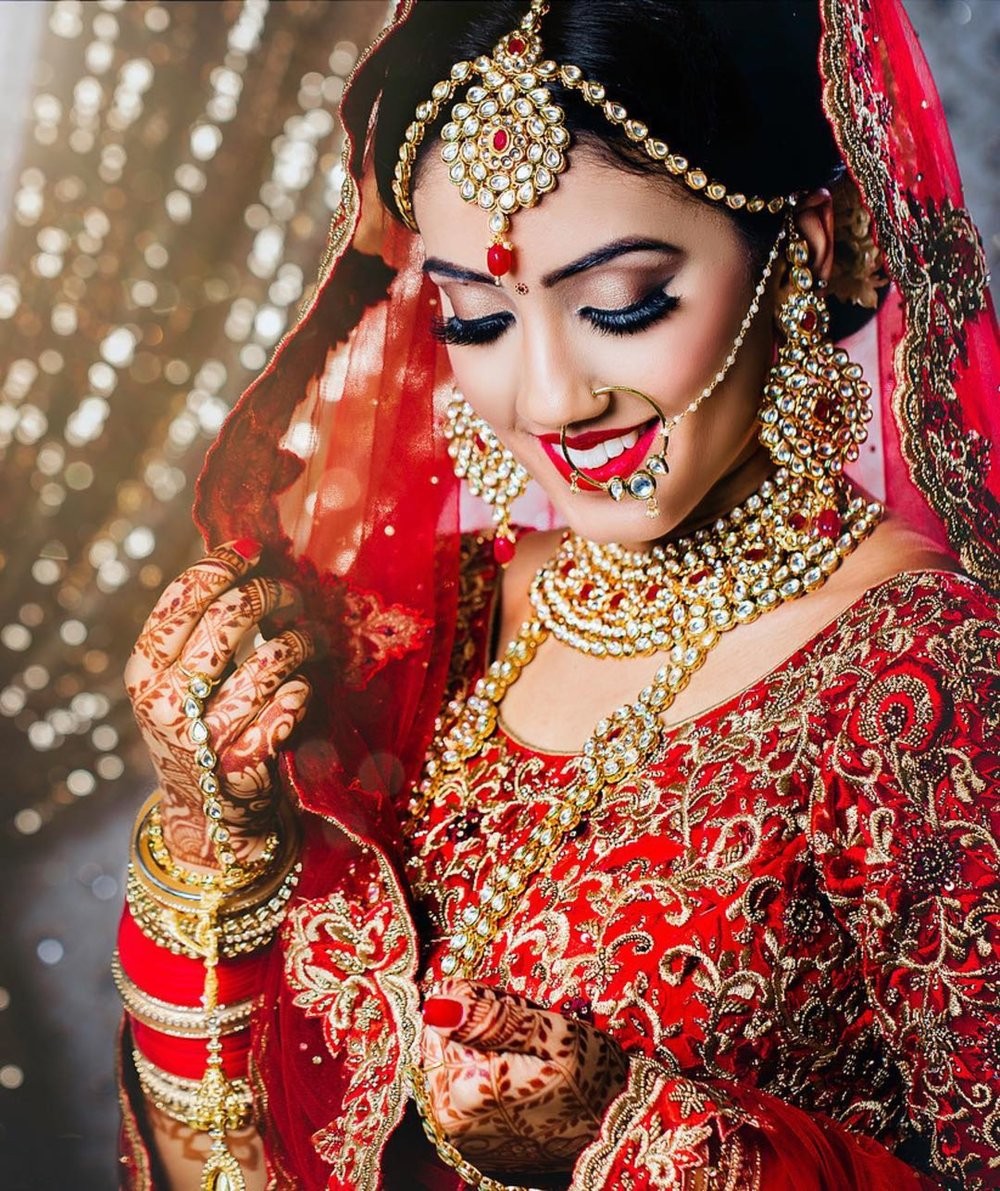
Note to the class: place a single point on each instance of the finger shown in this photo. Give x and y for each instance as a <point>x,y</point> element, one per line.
<point>217,635</point>
<point>259,675</point>
<point>183,601</point>
<point>246,765</point>
<point>489,1020</point>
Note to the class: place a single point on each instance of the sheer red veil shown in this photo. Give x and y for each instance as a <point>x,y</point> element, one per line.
<point>336,459</point>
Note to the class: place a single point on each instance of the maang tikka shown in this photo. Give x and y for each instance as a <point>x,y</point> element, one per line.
<point>488,468</point>
<point>506,141</point>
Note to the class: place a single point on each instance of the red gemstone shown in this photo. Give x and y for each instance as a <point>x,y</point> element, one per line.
<point>499,259</point>
<point>477,442</point>
<point>798,522</point>
<point>567,569</point>
<point>823,408</point>
<point>828,523</point>
<point>616,600</point>
<point>503,549</point>
<point>515,46</point>
<point>696,578</point>
<point>586,591</point>
<point>500,140</point>
<point>652,592</point>
<point>807,320</point>
<point>756,554</point>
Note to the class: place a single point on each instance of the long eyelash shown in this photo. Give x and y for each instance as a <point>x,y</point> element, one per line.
<point>630,320</point>
<point>460,332</point>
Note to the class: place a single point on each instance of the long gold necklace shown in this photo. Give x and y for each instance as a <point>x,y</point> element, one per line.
<point>608,601</point>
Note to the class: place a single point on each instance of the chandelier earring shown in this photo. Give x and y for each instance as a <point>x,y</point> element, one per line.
<point>488,468</point>
<point>815,411</point>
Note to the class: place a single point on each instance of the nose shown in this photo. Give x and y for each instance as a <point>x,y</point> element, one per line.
<point>554,389</point>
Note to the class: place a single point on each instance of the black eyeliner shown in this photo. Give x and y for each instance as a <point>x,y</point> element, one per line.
<point>629,320</point>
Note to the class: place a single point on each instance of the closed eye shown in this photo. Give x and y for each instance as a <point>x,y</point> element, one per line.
<point>468,332</point>
<point>626,320</point>
<point>630,320</point>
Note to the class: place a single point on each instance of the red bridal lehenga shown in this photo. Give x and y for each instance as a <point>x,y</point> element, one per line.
<point>789,919</point>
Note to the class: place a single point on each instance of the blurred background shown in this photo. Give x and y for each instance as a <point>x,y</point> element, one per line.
<point>167,174</point>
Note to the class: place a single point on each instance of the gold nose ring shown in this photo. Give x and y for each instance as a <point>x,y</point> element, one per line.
<point>641,484</point>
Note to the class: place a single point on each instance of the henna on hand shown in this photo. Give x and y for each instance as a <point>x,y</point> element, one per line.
<point>197,626</point>
<point>515,1087</point>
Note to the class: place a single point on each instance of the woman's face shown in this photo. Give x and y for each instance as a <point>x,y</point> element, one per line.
<point>617,280</point>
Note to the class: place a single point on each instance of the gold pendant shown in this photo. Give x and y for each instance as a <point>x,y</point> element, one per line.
<point>221,1171</point>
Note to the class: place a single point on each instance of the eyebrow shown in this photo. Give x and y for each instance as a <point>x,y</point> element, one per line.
<point>591,260</point>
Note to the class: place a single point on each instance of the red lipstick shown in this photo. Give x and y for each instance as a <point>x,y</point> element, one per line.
<point>624,465</point>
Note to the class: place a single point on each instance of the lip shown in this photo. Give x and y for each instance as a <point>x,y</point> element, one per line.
<point>625,464</point>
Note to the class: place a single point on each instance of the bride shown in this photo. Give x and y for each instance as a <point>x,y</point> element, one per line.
<point>655,846</point>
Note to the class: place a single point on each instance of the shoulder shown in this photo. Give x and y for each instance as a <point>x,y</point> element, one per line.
<point>900,596</point>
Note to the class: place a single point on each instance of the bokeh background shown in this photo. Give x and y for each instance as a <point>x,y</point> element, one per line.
<point>167,173</point>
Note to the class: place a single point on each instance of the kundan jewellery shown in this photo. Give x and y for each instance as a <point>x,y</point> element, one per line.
<point>192,912</point>
<point>700,587</point>
<point>641,484</point>
<point>816,409</point>
<point>488,468</point>
<point>506,141</point>
<point>611,602</point>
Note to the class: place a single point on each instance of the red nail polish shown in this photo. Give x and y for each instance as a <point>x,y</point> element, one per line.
<point>443,1013</point>
<point>247,548</point>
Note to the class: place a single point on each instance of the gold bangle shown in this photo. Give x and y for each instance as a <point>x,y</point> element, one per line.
<point>179,1021</point>
<point>447,1152</point>
<point>180,1098</point>
<point>250,872</point>
<point>240,933</point>
<point>184,894</point>
<point>170,912</point>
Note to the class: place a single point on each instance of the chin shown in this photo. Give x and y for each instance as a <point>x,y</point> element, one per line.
<point>598,518</point>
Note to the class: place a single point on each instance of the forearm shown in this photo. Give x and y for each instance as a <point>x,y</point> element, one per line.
<point>190,974</point>
<point>182,1152</point>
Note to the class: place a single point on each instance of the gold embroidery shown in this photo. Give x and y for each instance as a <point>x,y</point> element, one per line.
<point>668,1155</point>
<point>693,914</point>
<point>350,962</point>
<point>375,633</point>
<point>135,1154</point>
<point>934,254</point>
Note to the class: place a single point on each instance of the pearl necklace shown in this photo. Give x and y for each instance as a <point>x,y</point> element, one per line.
<point>687,621</point>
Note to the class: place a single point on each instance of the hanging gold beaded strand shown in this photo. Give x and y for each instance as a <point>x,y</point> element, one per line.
<point>746,564</point>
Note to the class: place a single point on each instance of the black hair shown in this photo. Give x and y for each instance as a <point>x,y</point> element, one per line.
<point>733,85</point>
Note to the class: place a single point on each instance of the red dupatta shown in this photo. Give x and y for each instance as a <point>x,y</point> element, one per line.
<point>336,459</point>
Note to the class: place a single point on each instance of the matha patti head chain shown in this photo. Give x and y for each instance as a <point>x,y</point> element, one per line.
<point>506,140</point>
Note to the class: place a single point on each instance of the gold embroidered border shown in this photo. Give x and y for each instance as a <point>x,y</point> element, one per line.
<point>948,461</point>
<point>664,1155</point>
<point>136,1156</point>
<point>373,1102</point>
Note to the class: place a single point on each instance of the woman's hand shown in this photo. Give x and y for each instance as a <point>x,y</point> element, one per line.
<point>513,1087</point>
<point>197,626</point>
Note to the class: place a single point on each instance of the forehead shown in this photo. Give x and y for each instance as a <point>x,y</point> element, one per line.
<point>594,202</point>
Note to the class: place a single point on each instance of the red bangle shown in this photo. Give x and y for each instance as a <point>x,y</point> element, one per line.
<point>178,978</point>
<point>188,1057</point>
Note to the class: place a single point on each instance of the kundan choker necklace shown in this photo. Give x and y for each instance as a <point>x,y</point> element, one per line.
<point>611,602</point>
<point>608,601</point>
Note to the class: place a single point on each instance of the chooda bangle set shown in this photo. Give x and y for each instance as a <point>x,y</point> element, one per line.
<point>205,926</point>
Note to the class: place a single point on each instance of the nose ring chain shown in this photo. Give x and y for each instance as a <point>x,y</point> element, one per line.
<point>641,484</point>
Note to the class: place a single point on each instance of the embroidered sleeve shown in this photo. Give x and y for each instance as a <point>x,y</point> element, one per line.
<point>906,824</point>
<point>668,1132</point>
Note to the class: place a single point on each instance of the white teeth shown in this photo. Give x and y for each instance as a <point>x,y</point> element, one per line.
<point>603,453</point>
<point>595,457</point>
